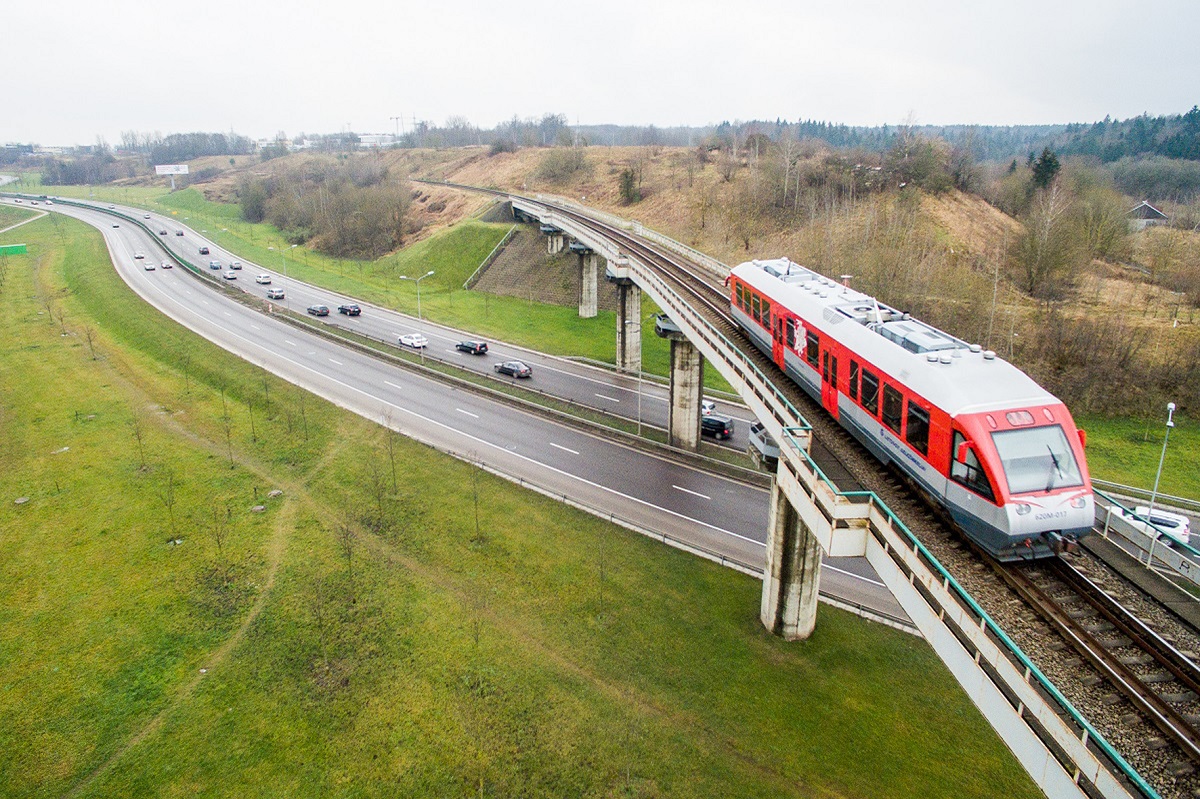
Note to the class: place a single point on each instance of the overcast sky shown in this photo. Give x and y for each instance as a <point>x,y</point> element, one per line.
<point>73,70</point>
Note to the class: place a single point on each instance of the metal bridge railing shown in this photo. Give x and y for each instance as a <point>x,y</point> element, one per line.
<point>979,635</point>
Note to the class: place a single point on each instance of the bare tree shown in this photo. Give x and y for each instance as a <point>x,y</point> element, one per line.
<point>135,425</point>
<point>377,485</point>
<point>479,538</point>
<point>227,422</point>
<point>90,334</point>
<point>346,540</point>
<point>250,411</point>
<point>316,604</point>
<point>1046,255</point>
<point>219,532</point>
<point>166,492</point>
<point>391,448</point>
<point>304,417</point>
<point>185,363</point>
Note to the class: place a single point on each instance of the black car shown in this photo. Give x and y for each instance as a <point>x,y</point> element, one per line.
<point>162,232</point>
<point>473,347</point>
<point>717,426</point>
<point>349,310</point>
<point>178,232</point>
<point>204,251</point>
<point>318,310</point>
<point>514,369</point>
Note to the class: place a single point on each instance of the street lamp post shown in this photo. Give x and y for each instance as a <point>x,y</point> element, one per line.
<point>1157,477</point>
<point>418,280</point>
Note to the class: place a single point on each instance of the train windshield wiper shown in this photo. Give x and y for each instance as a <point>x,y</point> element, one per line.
<point>1056,469</point>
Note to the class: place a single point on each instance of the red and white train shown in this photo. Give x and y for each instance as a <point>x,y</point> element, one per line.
<point>996,450</point>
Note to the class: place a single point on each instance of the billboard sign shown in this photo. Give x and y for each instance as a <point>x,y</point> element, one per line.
<point>171,169</point>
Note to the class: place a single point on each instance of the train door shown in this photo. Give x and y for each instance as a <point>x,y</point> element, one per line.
<point>777,340</point>
<point>829,379</point>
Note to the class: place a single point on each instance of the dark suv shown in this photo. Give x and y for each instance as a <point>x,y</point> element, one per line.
<point>350,310</point>
<point>204,251</point>
<point>717,426</point>
<point>473,347</point>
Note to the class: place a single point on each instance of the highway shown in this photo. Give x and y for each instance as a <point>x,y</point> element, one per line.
<point>659,496</point>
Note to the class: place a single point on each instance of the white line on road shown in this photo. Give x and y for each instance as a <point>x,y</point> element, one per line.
<point>564,449</point>
<point>256,327</point>
<point>468,413</point>
<point>606,397</point>
<point>289,343</point>
<point>693,493</point>
<point>337,363</point>
<point>393,385</point>
<point>227,313</point>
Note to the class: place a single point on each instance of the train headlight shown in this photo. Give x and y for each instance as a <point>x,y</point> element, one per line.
<point>1079,503</point>
<point>1023,509</point>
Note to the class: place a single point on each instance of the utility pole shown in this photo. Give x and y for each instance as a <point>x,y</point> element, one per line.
<point>397,121</point>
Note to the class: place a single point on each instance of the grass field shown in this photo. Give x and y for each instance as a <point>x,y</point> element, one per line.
<point>456,637</point>
<point>1127,451</point>
<point>12,216</point>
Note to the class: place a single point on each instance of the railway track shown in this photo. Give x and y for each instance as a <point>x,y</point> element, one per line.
<point>1148,709</point>
<point>1138,670</point>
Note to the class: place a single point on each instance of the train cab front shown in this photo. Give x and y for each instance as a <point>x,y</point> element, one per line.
<point>1045,491</point>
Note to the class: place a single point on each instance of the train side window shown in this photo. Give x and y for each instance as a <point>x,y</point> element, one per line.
<point>755,308</point>
<point>812,349</point>
<point>969,472</point>
<point>791,333</point>
<point>739,292</point>
<point>917,432</point>
<point>825,368</point>
<point>854,380</point>
<point>766,314</point>
<point>870,392</point>
<point>893,407</point>
<point>833,377</point>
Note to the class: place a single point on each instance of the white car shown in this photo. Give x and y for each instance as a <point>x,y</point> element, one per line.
<point>168,265</point>
<point>149,267</point>
<point>275,294</point>
<point>264,279</point>
<point>231,275</point>
<point>707,407</point>
<point>139,255</point>
<point>414,340</point>
<point>235,265</point>
<point>147,216</point>
<point>1175,525</point>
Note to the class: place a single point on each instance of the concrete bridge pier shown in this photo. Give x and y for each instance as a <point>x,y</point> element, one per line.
<point>687,384</point>
<point>589,292</point>
<point>556,240</point>
<point>629,327</point>
<point>792,579</point>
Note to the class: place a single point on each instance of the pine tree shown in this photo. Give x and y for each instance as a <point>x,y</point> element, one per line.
<point>1045,168</point>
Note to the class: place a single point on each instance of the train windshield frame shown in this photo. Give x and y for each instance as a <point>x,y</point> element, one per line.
<point>1037,459</point>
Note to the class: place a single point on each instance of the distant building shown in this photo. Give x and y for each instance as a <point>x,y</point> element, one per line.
<point>1144,215</point>
<point>369,140</point>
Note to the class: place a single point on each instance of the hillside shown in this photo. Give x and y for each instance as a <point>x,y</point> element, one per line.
<point>1119,340</point>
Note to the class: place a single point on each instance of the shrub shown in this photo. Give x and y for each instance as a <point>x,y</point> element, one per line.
<point>561,164</point>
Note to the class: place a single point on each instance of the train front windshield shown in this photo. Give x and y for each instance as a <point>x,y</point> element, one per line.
<point>1037,459</point>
